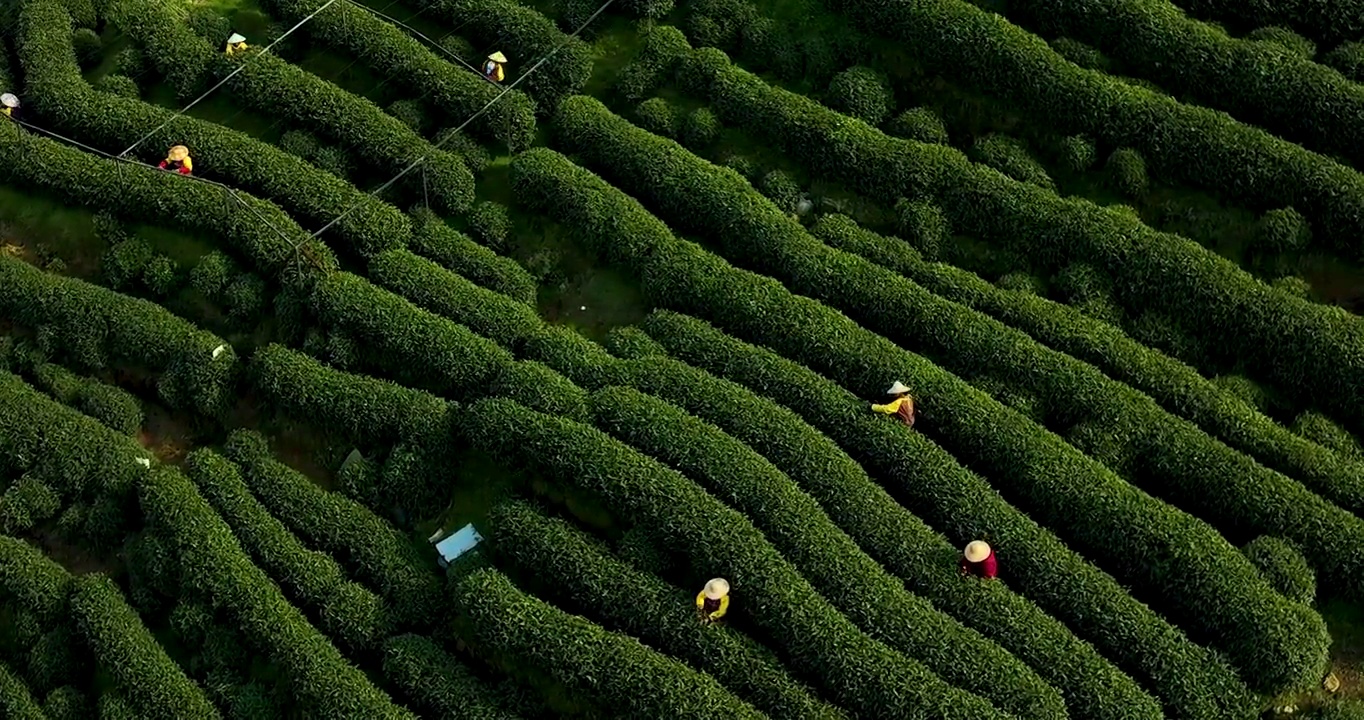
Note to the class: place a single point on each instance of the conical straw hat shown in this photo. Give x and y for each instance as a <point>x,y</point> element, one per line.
<point>498,57</point>
<point>717,588</point>
<point>977,550</point>
<point>897,388</point>
<point>10,100</point>
<point>236,38</point>
<point>179,152</point>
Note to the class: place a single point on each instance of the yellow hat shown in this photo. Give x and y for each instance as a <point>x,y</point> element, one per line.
<point>179,152</point>
<point>498,57</point>
<point>717,588</point>
<point>977,550</point>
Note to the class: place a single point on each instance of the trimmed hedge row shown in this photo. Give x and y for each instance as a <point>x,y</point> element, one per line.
<point>1178,387</point>
<point>111,405</point>
<point>313,578</point>
<point>55,89</point>
<point>436,681</point>
<point>1257,82</point>
<point>858,672</point>
<point>525,36</point>
<point>433,288</point>
<point>159,28</point>
<point>320,679</point>
<point>831,561</point>
<point>1284,567</point>
<point>1307,348</point>
<point>1276,644</point>
<point>33,581</point>
<point>16,702</point>
<point>126,649</point>
<point>369,547</point>
<point>362,409</point>
<point>681,274</point>
<point>25,504</point>
<point>584,577</point>
<point>1327,23</point>
<point>95,328</point>
<point>458,254</point>
<point>275,87</point>
<point>391,52</point>
<point>612,671</point>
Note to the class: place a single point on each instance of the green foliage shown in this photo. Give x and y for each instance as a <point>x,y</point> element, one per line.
<point>1125,172</point>
<point>245,296</point>
<point>863,93</point>
<point>629,342</point>
<point>362,542</point>
<point>491,225</point>
<point>16,702</point>
<point>87,45</point>
<point>125,262</point>
<point>1013,282</point>
<point>409,113</point>
<point>1339,709</point>
<point>1244,389</point>
<point>923,225</point>
<point>391,52</point>
<point>660,48</point>
<point>120,85</point>
<point>32,581</point>
<point>212,273</point>
<point>299,142</point>
<point>1283,230</point>
<point>1286,39</point>
<point>436,682</point>
<point>816,638</point>
<point>614,671</point>
<point>478,263</point>
<point>658,116</point>
<point>781,189</point>
<point>161,29</point>
<point>1010,156</point>
<point>25,504</point>
<point>1081,54</point>
<point>126,649</point>
<point>1284,567</point>
<point>699,129</point>
<point>321,680</point>
<point>1322,430</point>
<point>1293,285</point>
<point>66,703</point>
<point>920,124</point>
<point>209,24</point>
<point>131,62</point>
<point>1348,59</point>
<point>160,275</point>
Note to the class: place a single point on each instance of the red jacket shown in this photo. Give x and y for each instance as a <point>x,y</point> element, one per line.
<point>987,568</point>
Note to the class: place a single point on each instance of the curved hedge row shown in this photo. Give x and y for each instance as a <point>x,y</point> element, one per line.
<point>1178,387</point>
<point>126,649</point>
<point>1256,82</point>
<point>25,504</point>
<point>33,581</point>
<point>276,87</point>
<point>583,577</point>
<point>363,409</point>
<point>111,405</point>
<point>431,287</point>
<point>828,559</point>
<point>313,578</point>
<point>16,702</point>
<point>525,36</point>
<point>160,28</point>
<point>612,671</point>
<point>391,52</point>
<point>55,89</point>
<point>458,254</point>
<point>859,673</point>
<point>1307,348</point>
<point>320,679</point>
<point>1328,23</point>
<point>437,682</point>
<point>1275,643</point>
<point>682,275</point>
<point>372,549</point>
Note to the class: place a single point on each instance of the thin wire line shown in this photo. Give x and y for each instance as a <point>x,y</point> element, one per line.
<point>418,33</point>
<point>241,67</point>
<point>476,115</point>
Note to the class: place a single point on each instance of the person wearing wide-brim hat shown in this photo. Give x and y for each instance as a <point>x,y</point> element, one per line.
<point>713,601</point>
<point>178,159</point>
<point>979,560</point>
<point>492,69</point>
<point>9,102</point>
<point>235,44</point>
<point>901,404</point>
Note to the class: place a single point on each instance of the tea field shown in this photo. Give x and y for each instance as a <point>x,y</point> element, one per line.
<point>624,314</point>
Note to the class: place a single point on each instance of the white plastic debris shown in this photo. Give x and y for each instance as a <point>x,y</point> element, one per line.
<point>144,462</point>
<point>582,307</point>
<point>219,351</point>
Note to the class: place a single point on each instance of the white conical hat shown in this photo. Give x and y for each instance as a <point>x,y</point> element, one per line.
<point>236,38</point>
<point>977,550</point>
<point>498,57</point>
<point>717,588</point>
<point>10,100</point>
<point>897,389</point>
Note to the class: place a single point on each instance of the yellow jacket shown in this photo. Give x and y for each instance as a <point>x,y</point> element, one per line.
<point>893,406</point>
<point>234,49</point>
<point>8,111</point>
<point>701,605</point>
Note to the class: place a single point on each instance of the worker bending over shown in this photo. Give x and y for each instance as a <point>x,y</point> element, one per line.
<point>979,560</point>
<point>713,601</point>
<point>178,160</point>
<point>901,404</point>
<point>492,69</point>
<point>235,44</point>
<point>9,102</point>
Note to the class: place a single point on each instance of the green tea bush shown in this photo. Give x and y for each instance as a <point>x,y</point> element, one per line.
<point>1284,567</point>
<point>1010,156</point>
<point>209,24</point>
<point>435,680</point>
<point>212,273</point>
<point>479,263</point>
<point>87,45</point>
<point>125,262</point>
<point>1081,54</point>
<point>1293,285</point>
<point>66,703</point>
<point>160,276</point>
<point>1014,282</point>
<point>1283,230</point>
<point>1081,282</point>
<point>334,160</point>
<point>657,116</point>
<point>1322,430</point>
<point>1126,172</point>
<point>584,577</point>
<point>923,225</point>
<point>611,670</point>
<point>1348,59</point>
<point>161,29</point>
<point>245,296</point>
<point>120,85</point>
<point>781,189</point>
<point>409,113</point>
<point>920,124</point>
<point>660,48</point>
<point>699,129</point>
<point>131,61</point>
<point>1286,39</point>
<point>114,407</point>
<point>15,699</point>
<point>57,659</point>
<point>863,93</point>
<point>1244,389</point>
<point>491,225</point>
<point>32,581</point>
<point>1339,709</point>
<point>299,142</point>
<point>1078,153</point>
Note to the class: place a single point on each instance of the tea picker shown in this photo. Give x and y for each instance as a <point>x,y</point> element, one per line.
<point>9,102</point>
<point>493,70</point>
<point>235,44</point>
<point>979,560</point>
<point>178,160</point>
<point>713,601</point>
<point>901,404</point>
